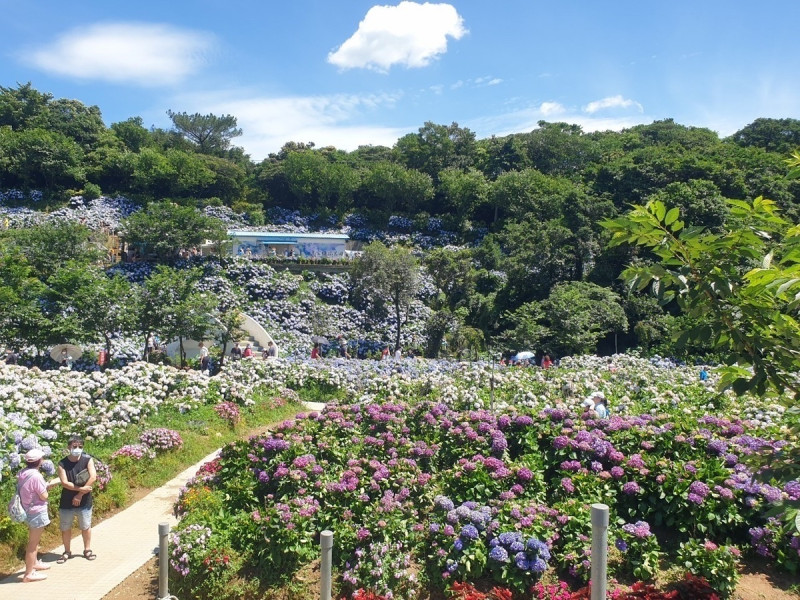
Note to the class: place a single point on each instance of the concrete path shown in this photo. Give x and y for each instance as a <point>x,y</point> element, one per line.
<point>122,543</point>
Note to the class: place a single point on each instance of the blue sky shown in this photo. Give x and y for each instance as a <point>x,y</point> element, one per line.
<point>349,72</point>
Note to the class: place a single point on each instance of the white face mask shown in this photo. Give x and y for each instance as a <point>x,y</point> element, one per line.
<point>76,451</point>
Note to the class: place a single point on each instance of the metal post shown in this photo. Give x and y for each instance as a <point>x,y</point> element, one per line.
<point>163,560</point>
<point>326,548</point>
<point>599,550</point>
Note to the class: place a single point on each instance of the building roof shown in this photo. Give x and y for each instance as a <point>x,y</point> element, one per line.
<point>287,237</point>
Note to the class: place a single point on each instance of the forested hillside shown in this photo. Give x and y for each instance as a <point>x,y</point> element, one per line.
<point>522,211</point>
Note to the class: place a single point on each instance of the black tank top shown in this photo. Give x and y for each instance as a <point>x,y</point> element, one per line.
<point>72,469</point>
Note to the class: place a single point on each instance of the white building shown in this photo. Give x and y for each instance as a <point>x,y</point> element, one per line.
<point>293,245</point>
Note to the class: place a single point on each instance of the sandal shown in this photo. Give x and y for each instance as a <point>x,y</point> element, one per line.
<point>35,576</point>
<point>65,556</point>
<point>89,555</point>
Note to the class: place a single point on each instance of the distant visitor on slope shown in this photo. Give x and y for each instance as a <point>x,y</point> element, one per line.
<point>248,351</point>
<point>546,361</point>
<point>703,373</point>
<point>236,352</point>
<point>342,346</point>
<point>598,403</point>
<point>315,351</point>
<point>271,351</point>
<point>205,360</point>
<point>385,352</point>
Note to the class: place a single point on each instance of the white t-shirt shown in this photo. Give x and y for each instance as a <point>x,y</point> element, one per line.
<point>203,352</point>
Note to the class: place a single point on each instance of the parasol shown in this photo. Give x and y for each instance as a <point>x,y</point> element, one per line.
<point>318,339</point>
<point>73,351</point>
<point>526,355</point>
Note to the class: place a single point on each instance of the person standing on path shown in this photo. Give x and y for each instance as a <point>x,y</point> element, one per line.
<point>205,359</point>
<point>77,475</point>
<point>33,496</point>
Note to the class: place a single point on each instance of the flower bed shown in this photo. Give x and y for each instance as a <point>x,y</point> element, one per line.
<point>423,486</point>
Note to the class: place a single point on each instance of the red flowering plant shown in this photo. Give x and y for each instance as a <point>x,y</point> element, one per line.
<point>467,591</point>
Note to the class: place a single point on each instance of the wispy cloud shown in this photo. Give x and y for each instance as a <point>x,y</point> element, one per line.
<point>269,122</point>
<point>409,34</point>
<point>494,81</point>
<point>527,119</point>
<point>612,102</point>
<point>142,54</point>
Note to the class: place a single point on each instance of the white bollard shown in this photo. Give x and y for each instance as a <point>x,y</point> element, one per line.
<point>599,550</point>
<point>326,548</point>
<point>163,560</point>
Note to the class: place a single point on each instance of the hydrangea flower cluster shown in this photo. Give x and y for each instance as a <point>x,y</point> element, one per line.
<point>161,439</point>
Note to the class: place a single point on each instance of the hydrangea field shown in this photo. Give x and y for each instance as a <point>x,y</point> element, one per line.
<point>427,478</point>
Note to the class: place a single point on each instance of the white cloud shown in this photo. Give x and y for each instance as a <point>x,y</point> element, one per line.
<point>527,119</point>
<point>494,81</point>
<point>612,102</point>
<point>269,122</point>
<point>549,109</point>
<point>144,54</point>
<point>409,34</point>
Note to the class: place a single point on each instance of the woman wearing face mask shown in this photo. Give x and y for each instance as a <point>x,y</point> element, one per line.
<point>77,474</point>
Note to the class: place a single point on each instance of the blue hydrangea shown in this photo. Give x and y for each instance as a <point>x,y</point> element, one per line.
<point>469,532</point>
<point>444,503</point>
<point>499,554</point>
<point>539,566</point>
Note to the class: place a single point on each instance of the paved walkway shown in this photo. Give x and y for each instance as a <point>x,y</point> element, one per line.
<point>122,543</point>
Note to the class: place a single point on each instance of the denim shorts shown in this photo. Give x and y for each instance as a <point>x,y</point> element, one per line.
<point>38,520</point>
<point>66,515</point>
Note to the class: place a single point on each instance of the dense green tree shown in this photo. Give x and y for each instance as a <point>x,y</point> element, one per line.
<point>163,229</point>
<point>318,180</point>
<point>532,194</point>
<point>210,133</point>
<point>781,136</point>
<point>699,201</point>
<point>22,107</point>
<point>153,173</point>
<point>572,320</point>
<point>454,276</point>
<point>50,245</point>
<point>89,306</point>
<point>536,256</point>
<point>387,275</point>
<point>40,159</point>
<point>437,147</point>
<point>132,133</point>
<point>740,285</point>
<point>79,122</point>
<point>560,148</point>
<point>228,180</point>
<point>177,309</point>
<point>391,187</point>
<point>495,156</point>
<point>464,192</point>
<point>22,320</point>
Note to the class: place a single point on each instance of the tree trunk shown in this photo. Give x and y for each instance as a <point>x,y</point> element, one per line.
<point>181,352</point>
<point>397,332</point>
